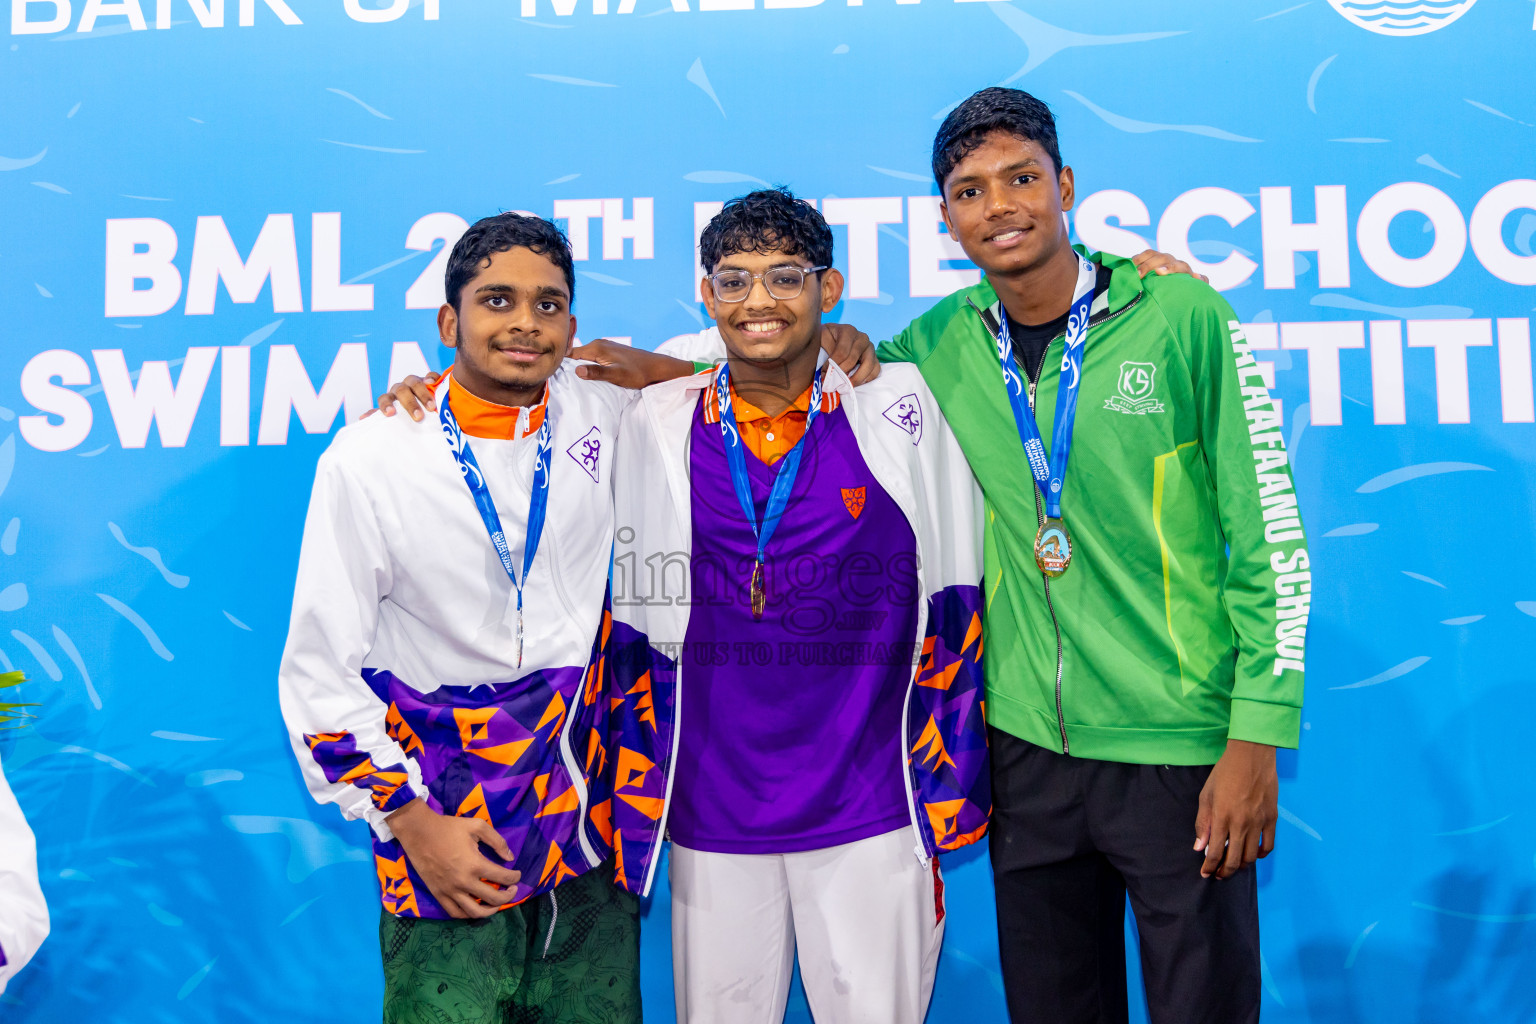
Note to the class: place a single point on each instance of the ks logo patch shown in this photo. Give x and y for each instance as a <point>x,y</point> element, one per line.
<point>1136,383</point>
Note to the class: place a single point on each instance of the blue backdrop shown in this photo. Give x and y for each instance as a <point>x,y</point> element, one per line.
<point>227,196</point>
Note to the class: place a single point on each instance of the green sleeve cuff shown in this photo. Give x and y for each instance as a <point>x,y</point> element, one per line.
<point>1278,725</point>
<point>699,367</point>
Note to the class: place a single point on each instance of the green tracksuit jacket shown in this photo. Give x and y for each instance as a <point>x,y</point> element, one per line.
<point>1181,621</point>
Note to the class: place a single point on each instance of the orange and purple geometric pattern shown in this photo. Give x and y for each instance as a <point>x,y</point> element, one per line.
<point>946,725</point>
<point>641,694</point>
<point>337,755</point>
<point>492,752</point>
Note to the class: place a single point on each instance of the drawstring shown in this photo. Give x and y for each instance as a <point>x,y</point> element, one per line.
<point>554,915</point>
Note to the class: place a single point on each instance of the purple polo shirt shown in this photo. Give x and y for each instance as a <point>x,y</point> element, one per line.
<point>791,726</point>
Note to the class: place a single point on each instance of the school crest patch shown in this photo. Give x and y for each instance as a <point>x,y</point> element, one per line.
<point>907,413</point>
<point>853,500</point>
<point>1136,384</point>
<point>587,451</point>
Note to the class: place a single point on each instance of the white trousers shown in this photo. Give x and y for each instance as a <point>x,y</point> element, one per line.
<point>864,915</point>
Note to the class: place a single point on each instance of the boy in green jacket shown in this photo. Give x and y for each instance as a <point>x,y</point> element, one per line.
<point>1146,599</point>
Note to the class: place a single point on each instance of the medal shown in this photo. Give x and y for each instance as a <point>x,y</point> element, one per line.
<point>538,501</point>
<point>520,628</point>
<point>759,591</point>
<point>783,481</point>
<point>1053,548</point>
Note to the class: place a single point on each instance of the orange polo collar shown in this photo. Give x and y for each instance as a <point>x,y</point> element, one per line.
<point>479,418</point>
<point>770,438</point>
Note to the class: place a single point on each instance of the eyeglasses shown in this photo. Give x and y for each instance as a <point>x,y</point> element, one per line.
<point>785,282</point>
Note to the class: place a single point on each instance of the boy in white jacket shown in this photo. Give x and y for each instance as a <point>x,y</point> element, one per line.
<point>797,606</point>
<point>443,677</point>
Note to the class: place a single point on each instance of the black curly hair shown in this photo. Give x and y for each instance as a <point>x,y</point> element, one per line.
<point>992,110</point>
<point>766,221</point>
<point>505,231</point>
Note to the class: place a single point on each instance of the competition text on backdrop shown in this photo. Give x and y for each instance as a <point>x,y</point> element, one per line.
<point>143,279</point>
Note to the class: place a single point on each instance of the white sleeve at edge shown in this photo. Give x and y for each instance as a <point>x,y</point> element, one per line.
<point>344,572</point>
<point>967,507</point>
<point>23,912</point>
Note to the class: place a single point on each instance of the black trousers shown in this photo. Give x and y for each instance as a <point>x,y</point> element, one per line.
<point>1069,839</point>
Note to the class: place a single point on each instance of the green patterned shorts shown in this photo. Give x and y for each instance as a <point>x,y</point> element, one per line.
<point>573,959</point>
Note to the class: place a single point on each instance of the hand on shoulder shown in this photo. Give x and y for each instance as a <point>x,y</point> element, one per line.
<point>851,349</point>
<point>414,396</point>
<point>1150,261</point>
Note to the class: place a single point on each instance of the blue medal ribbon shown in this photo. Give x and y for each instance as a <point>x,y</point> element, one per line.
<point>1050,475</point>
<point>538,502</point>
<point>783,482</point>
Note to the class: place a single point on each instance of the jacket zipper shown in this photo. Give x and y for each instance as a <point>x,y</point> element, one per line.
<point>662,833</point>
<point>908,774</point>
<point>1061,718</point>
<point>1050,607</point>
<point>573,773</point>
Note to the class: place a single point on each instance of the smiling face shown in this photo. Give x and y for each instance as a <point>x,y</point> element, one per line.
<point>1004,203</point>
<point>766,330</point>
<point>511,326</point>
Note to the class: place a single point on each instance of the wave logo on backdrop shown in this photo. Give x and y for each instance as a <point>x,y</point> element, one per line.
<point>1402,17</point>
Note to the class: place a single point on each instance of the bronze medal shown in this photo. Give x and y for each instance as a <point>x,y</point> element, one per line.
<point>1053,548</point>
<point>759,590</point>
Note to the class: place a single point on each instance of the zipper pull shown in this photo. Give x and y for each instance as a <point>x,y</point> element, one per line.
<point>1031,396</point>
